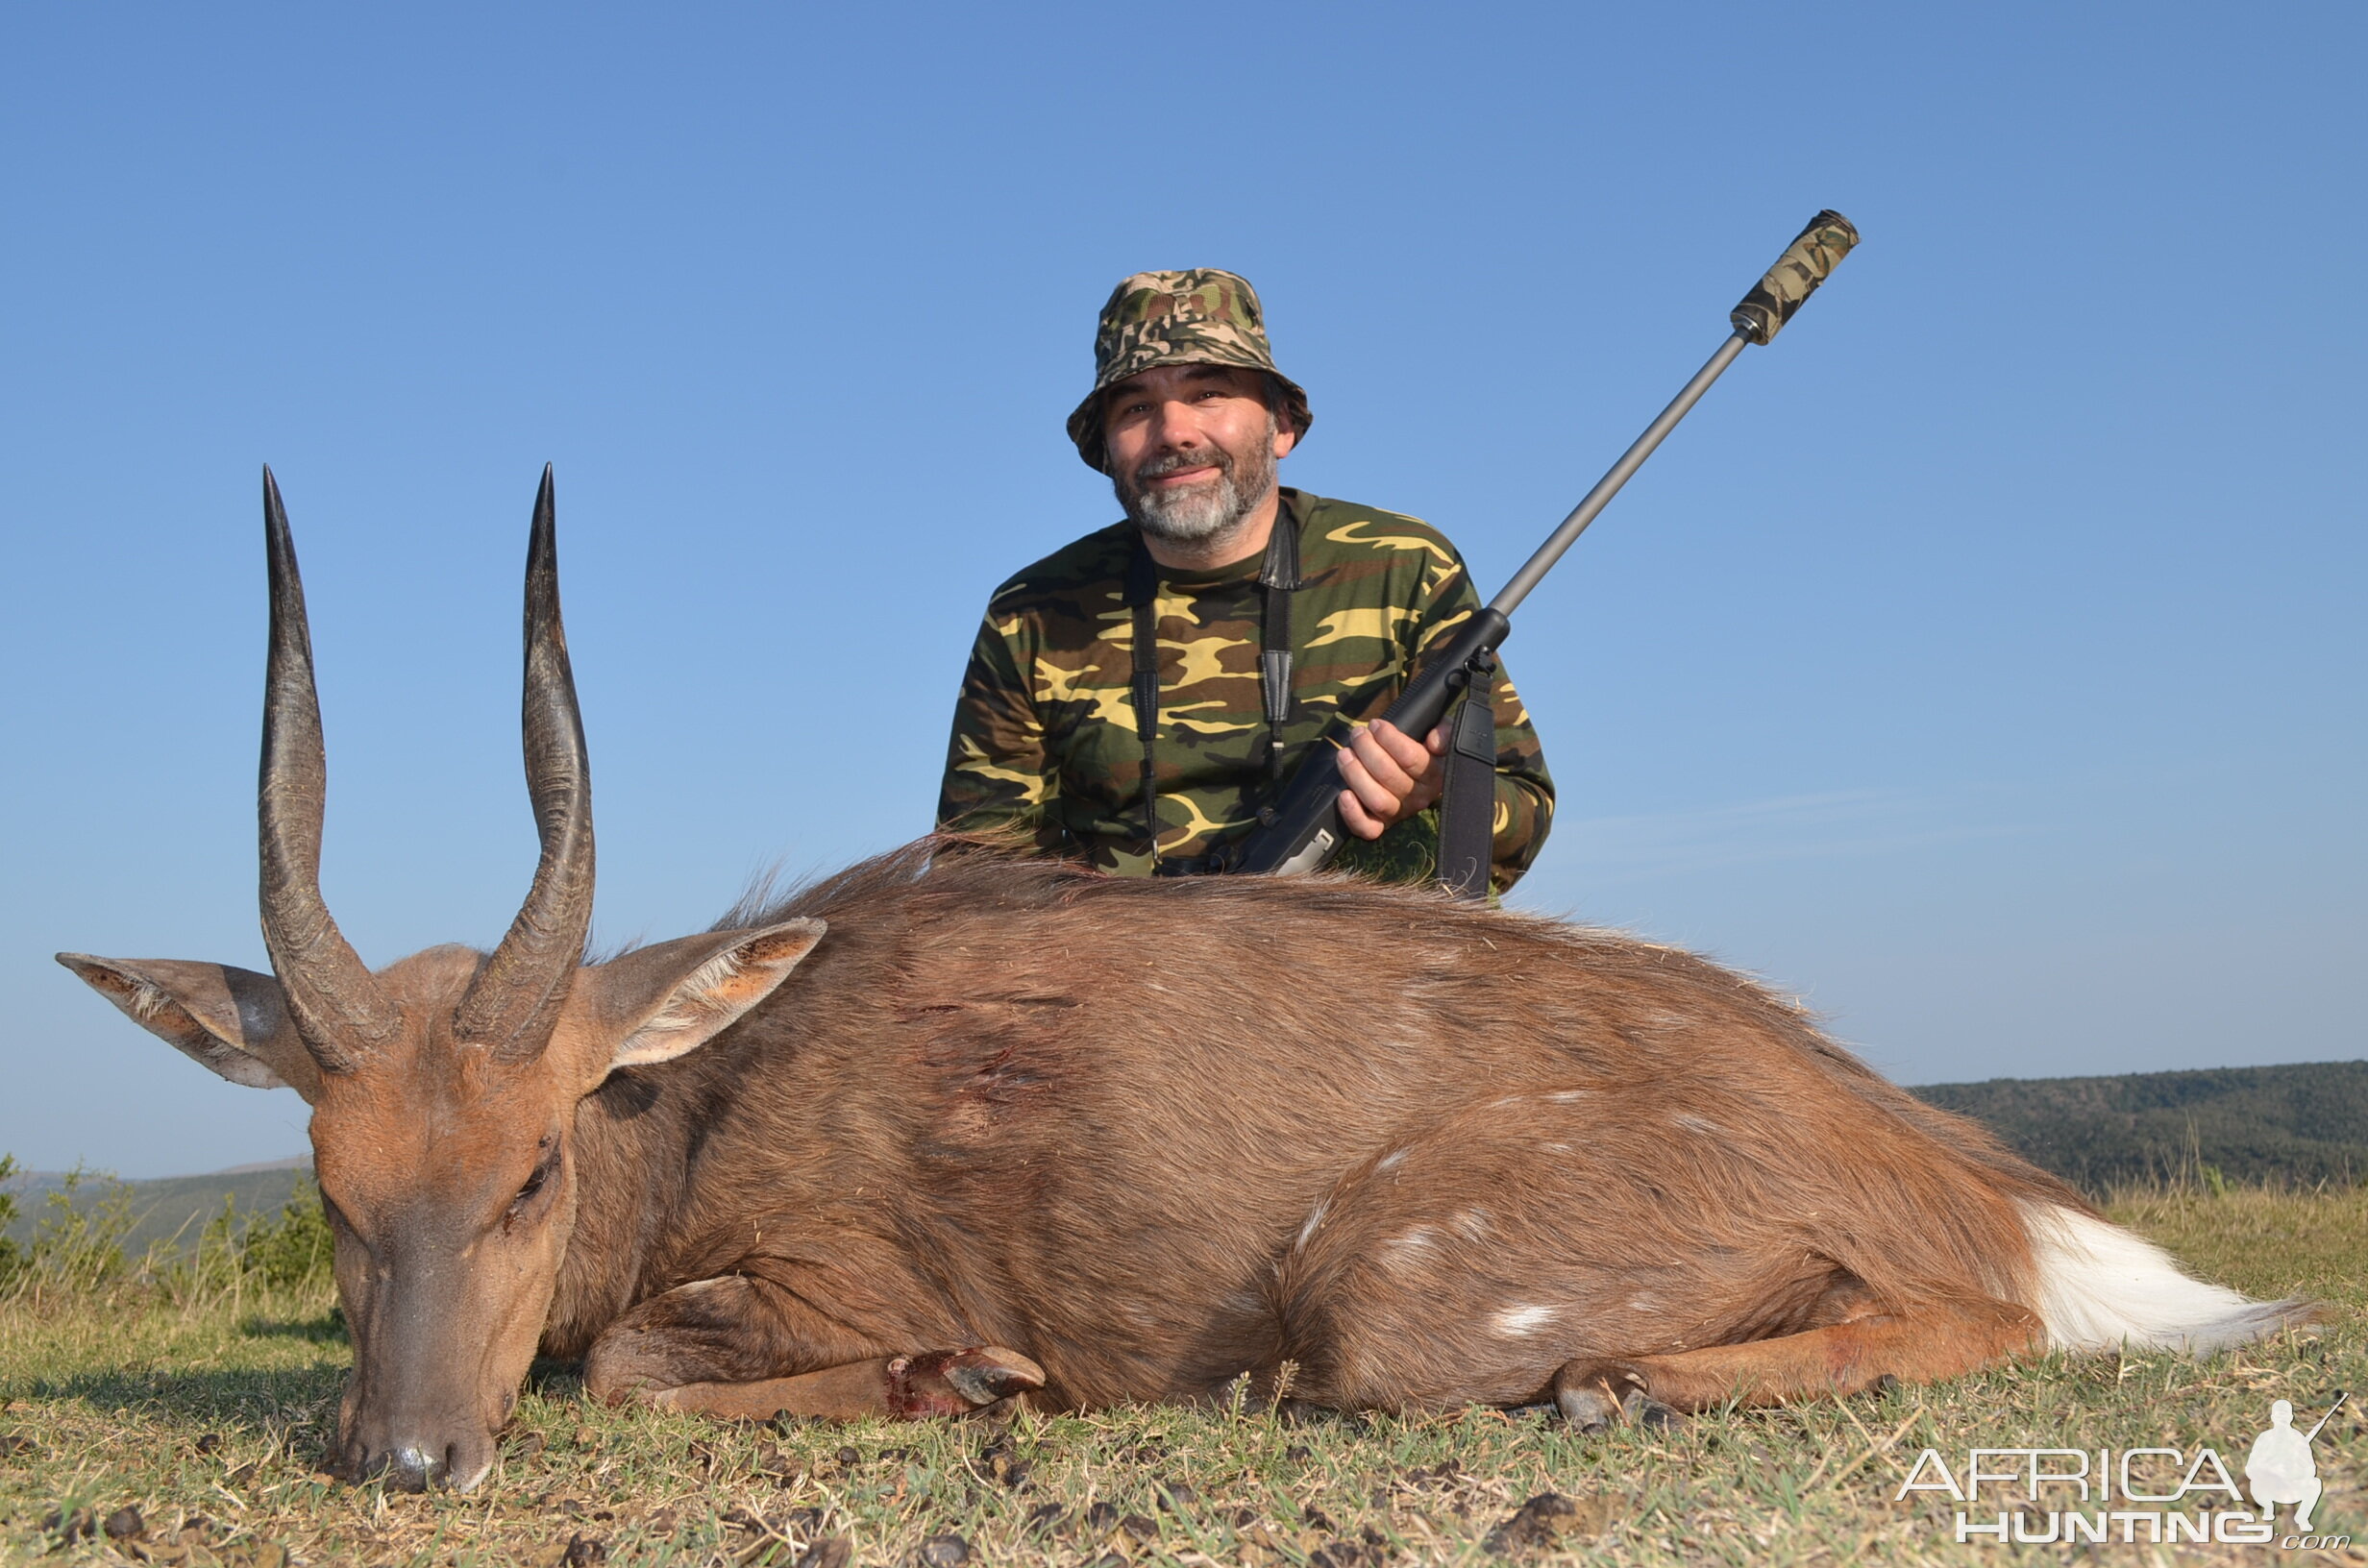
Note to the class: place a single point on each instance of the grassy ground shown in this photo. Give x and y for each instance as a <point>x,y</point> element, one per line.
<point>207,1418</point>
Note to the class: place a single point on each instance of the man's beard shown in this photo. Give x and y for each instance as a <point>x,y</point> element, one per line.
<point>1205,510</point>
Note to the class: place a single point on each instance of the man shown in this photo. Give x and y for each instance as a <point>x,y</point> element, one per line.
<point>1271,616</point>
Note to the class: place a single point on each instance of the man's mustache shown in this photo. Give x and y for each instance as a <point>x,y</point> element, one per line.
<point>1152,468</point>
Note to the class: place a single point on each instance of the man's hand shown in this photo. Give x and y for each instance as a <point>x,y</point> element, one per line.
<point>1390,775</point>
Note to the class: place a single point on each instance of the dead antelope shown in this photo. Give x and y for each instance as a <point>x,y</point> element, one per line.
<point>955,1125</point>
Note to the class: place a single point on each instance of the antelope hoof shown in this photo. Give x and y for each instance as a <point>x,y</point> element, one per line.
<point>1591,1395</point>
<point>959,1381</point>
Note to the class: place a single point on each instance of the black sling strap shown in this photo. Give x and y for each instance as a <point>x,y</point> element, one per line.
<point>1278,578</point>
<point>1142,591</point>
<point>1468,812</point>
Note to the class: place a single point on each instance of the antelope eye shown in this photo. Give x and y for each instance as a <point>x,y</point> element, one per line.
<point>535,1184</point>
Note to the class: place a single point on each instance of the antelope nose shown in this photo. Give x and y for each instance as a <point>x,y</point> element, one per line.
<point>412,1469</point>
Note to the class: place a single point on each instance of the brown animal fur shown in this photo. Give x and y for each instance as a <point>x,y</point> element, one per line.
<point>1156,1135</point>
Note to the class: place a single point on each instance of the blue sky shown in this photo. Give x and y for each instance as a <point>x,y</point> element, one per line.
<point>1980,662</point>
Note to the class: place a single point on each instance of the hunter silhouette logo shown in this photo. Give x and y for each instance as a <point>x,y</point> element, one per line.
<point>2139,1495</point>
<point>2280,1469</point>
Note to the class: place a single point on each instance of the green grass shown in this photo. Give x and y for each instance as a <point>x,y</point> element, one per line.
<point>207,1412</point>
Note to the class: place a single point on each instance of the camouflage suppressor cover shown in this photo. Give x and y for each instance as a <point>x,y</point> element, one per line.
<point>1806,263</point>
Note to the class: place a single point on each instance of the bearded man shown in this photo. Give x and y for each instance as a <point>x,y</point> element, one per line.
<point>1134,699</point>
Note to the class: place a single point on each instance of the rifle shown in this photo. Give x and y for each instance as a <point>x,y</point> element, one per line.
<point>1300,830</point>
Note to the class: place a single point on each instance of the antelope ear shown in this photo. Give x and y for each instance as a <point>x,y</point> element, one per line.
<point>663,1001</point>
<point>235,1022</point>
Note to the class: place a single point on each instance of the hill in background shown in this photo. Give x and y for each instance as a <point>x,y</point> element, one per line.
<point>170,1206</point>
<point>2301,1124</point>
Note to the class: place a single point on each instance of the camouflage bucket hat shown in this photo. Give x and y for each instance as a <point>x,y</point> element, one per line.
<point>1198,316</point>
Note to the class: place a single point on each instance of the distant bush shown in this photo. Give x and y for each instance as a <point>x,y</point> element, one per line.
<point>10,1251</point>
<point>78,1248</point>
<point>283,1251</point>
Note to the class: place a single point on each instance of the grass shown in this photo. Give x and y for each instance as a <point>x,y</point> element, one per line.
<point>206,1410</point>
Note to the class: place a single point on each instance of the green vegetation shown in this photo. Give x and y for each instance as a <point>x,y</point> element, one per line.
<point>202,1401</point>
<point>163,1210</point>
<point>79,1248</point>
<point>11,1249</point>
<point>2301,1124</point>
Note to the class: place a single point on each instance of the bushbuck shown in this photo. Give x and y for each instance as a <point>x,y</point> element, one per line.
<point>956,1126</point>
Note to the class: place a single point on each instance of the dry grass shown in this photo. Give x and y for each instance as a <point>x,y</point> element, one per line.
<point>207,1418</point>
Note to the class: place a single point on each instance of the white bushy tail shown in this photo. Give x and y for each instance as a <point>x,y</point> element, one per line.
<point>2099,1286</point>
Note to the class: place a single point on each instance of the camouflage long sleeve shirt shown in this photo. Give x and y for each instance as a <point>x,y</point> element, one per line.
<point>1045,739</point>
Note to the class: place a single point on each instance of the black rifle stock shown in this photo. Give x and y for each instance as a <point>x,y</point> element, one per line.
<point>1303,828</point>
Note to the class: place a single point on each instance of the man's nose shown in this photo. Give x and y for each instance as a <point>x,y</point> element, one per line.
<point>1176,425</point>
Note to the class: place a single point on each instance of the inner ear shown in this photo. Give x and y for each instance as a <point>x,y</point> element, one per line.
<point>663,1001</point>
<point>235,1022</point>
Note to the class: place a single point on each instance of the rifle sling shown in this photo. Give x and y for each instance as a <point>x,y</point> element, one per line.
<point>1278,578</point>
<point>1142,593</point>
<point>1468,810</point>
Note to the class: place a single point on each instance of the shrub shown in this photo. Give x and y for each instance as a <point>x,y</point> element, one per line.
<point>292,1248</point>
<point>77,1250</point>
<point>78,1246</point>
<point>237,1252</point>
<point>11,1256</point>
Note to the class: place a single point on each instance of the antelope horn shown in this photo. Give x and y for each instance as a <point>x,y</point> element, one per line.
<point>338,1006</point>
<point>512,1004</point>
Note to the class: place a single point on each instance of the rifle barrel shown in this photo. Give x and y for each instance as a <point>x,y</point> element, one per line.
<point>1595,501</point>
<point>1302,826</point>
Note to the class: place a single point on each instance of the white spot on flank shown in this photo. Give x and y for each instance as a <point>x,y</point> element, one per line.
<point>1314,1220</point>
<point>1693,1123</point>
<point>1472,1224</point>
<point>1391,1160</point>
<point>1515,1321</point>
<point>1409,1244</point>
<point>1641,1304</point>
<point>1553,1148</point>
<point>1566,1096</point>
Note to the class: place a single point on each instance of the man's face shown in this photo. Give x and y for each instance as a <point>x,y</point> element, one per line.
<point>1192,448</point>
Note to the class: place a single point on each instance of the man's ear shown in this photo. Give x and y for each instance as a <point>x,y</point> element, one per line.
<point>660,1002</point>
<point>235,1021</point>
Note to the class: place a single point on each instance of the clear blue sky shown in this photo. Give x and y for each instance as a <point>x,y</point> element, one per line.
<point>1981,662</point>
